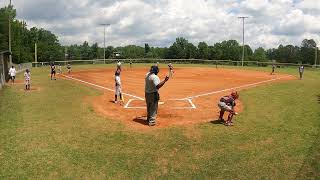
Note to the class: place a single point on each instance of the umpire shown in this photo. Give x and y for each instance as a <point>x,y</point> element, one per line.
<point>152,86</point>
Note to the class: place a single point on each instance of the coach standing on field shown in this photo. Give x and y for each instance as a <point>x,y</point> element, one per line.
<point>152,86</point>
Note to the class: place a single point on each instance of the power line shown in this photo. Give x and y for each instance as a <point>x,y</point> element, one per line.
<point>243,18</point>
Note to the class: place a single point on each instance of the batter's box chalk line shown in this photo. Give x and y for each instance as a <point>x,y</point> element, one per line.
<point>189,101</point>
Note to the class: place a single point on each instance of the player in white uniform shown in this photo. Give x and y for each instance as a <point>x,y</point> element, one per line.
<point>60,69</point>
<point>119,65</point>
<point>12,74</point>
<point>118,92</point>
<point>301,70</point>
<point>170,70</point>
<point>27,77</point>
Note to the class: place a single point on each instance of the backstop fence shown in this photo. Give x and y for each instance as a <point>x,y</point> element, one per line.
<point>175,61</point>
<point>4,56</point>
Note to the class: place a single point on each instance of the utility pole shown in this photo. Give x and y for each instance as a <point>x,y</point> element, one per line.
<point>35,54</point>
<point>104,41</point>
<point>243,18</point>
<point>10,55</point>
<point>316,57</point>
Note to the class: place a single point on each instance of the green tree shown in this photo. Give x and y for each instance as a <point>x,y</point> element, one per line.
<point>147,49</point>
<point>259,54</point>
<point>203,50</point>
<point>307,52</point>
<point>95,50</point>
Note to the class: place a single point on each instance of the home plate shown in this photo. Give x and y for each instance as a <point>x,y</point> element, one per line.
<point>160,102</point>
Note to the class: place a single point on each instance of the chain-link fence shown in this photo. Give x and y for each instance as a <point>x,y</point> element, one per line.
<point>175,61</point>
<point>4,56</point>
<point>4,67</point>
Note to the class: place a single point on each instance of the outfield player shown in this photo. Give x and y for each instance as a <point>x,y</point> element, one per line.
<point>12,74</point>
<point>301,70</point>
<point>118,92</point>
<point>152,86</point>
<point>273,69</point>
<point>53,71</point>
<point>60,69</point>
<point>69,68</point>
<point>227,103</point>
<point>27,77</point>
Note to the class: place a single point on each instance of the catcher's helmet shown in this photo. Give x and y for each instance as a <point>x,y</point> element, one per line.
<point>235,95</point>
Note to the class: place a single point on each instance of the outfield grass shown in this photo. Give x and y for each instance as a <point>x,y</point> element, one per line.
<point>53,133</point>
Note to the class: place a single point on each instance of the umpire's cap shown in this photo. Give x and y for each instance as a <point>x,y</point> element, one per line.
<point>154,69</point>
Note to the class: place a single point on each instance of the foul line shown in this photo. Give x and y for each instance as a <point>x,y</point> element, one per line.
<point>101,86</point>
<point>238,87</point>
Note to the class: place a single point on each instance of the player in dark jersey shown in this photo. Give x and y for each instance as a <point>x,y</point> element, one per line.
<point>227,103</point>
<point>273,68</point>
<point>69,68</point>
<point>53,71</point>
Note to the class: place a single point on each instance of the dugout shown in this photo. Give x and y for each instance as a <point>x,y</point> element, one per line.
<point>4,68</point>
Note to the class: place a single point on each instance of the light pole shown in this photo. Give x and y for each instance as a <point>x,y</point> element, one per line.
<point>242,17</point>
<point>104,41</point>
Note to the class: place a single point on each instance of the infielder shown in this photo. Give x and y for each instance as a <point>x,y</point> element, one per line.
<point>119,66</point>
<point>170,70</point>
<point>152,86</point>
<point>118,92</point>
<point>227,103</point>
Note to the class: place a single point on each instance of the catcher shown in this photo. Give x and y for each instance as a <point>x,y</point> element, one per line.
<point>227,103</point>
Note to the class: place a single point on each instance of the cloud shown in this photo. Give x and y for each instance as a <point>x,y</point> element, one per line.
<point>159,22</point>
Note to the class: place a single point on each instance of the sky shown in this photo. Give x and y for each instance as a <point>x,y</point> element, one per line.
<point>160,22</point>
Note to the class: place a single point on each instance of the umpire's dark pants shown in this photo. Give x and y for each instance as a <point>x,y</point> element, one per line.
<point>152,100</point>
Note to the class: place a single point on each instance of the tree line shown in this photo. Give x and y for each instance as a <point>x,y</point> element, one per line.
<point>49,48</point>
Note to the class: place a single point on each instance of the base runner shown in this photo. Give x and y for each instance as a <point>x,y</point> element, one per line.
<point>227,103</point>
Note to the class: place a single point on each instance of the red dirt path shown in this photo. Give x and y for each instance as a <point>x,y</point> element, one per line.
<point>186,82</point>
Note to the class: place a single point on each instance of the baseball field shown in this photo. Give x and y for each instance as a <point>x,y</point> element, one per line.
<point>71,128</point>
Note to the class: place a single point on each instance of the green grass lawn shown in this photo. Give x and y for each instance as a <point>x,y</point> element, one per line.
<point>53,133</point>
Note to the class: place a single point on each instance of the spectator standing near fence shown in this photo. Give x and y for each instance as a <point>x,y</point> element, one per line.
<point>152,86</point>
<point>27,77</point>
<point>12,74</point>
